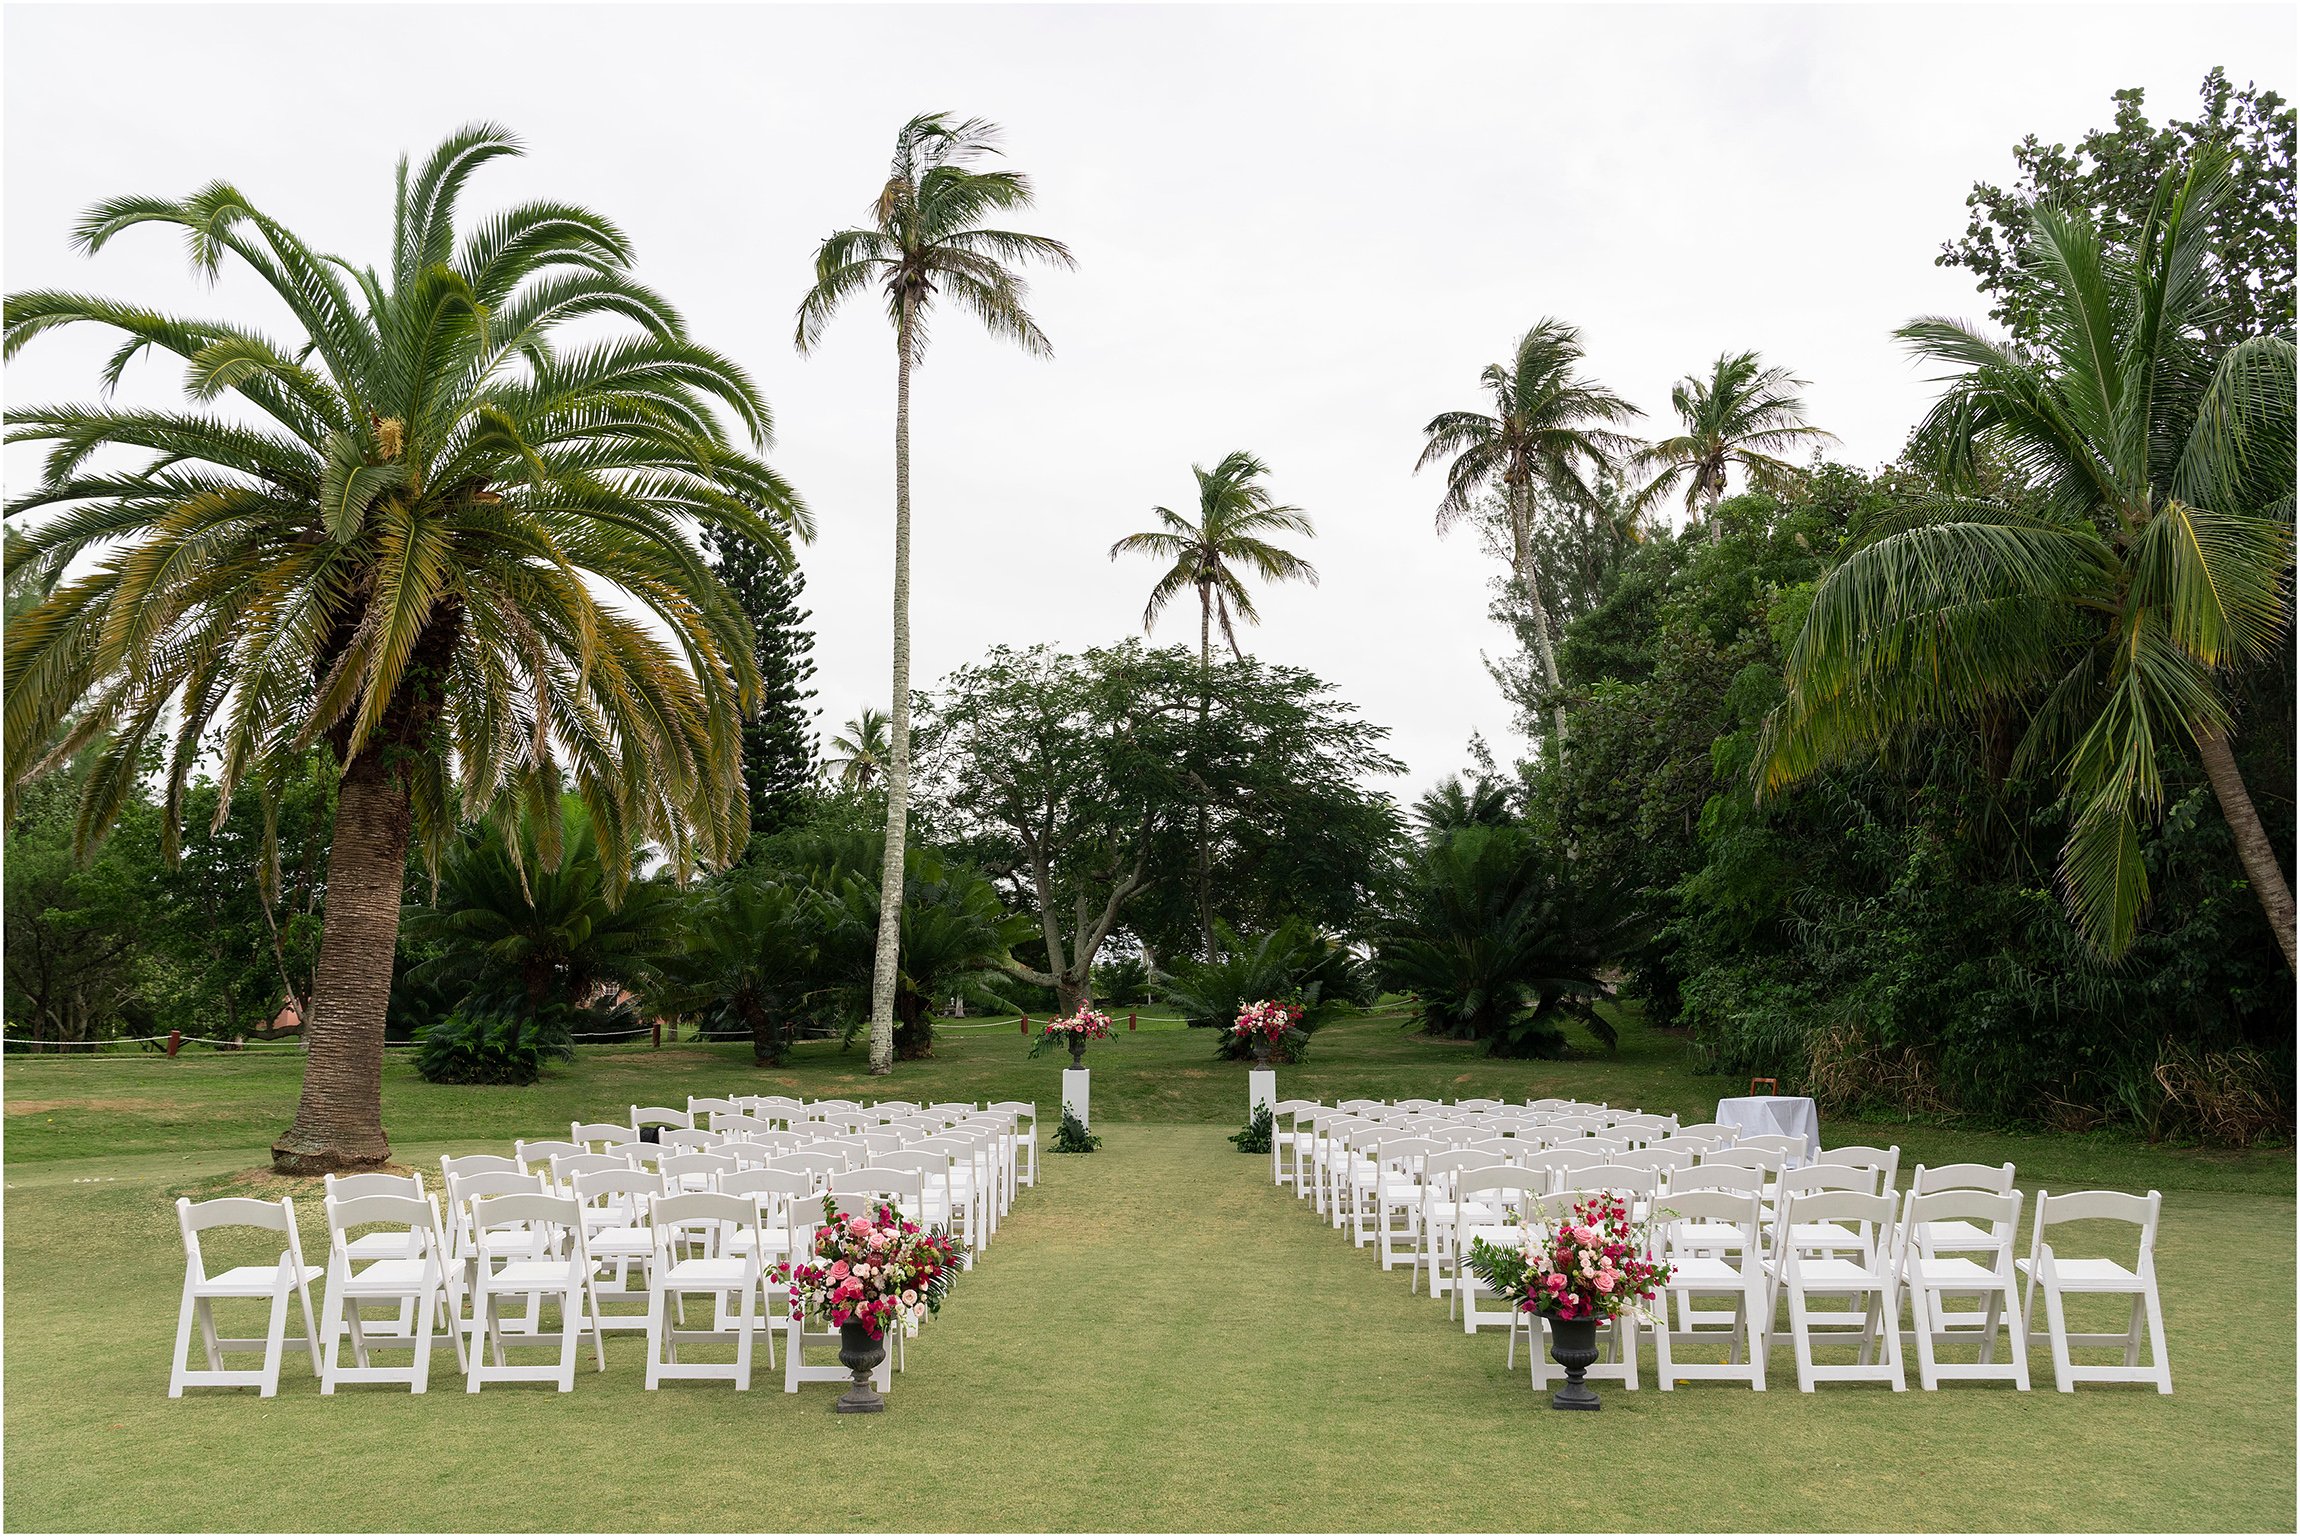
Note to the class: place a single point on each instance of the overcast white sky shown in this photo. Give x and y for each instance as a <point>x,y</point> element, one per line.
<point>1300,231</point>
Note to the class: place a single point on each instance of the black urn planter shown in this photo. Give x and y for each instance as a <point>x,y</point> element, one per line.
<point>860,1352</point>
<point>1573,1345</point>
<point>1261,1051</point>
<point>1078,1051</point>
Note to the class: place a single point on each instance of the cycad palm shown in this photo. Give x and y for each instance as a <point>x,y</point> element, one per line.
<point>1236,516</point>
<point>430,535</point>
<point>859,754</point>
<point>926,239</point>
<point>1229,537</point>
<point>1743,416</point>
<point>1548,430</point>
<point>2158,563</point>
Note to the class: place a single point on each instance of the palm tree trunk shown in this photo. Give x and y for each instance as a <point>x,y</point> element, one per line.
<point>884,961</point>
<point>1544,653</point>
<point>1205,819</point>
<point>2253,846</point>
<point>339,1119</point>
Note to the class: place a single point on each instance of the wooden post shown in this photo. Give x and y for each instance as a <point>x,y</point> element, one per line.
<point>658,1035</point>
<point>1025,1024</point>
<point>1129,1021</point>
<point>175,1042</point>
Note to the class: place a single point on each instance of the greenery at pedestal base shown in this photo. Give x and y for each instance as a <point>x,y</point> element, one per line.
<point>1256,1137</point>
<point>1073,1137</point>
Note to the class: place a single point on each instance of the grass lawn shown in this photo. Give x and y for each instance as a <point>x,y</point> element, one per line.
<point>1159,1340</point>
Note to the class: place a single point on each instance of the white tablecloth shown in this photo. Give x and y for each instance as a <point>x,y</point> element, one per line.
<point>1785,1115</point>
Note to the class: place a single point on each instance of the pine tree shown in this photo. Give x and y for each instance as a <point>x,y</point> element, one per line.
<point>779,743</point>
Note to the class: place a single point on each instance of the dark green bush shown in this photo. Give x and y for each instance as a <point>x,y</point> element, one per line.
<point>477,1044</point>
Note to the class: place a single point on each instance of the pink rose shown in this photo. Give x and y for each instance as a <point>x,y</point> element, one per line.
<point>1604,1281</point>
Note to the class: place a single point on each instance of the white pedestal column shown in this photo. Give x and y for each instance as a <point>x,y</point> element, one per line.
<point>1074,1093</point>
<point>1261,1089</point>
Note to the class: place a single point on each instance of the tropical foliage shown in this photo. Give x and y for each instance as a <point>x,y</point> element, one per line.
<point>926,240</point>
<point>442,531</point>
<point>1743,416</point>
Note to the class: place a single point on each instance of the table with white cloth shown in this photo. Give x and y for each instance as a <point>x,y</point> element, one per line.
<point>1783,1115</point>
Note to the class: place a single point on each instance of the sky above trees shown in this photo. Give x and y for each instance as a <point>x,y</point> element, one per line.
<point>1299,232</point>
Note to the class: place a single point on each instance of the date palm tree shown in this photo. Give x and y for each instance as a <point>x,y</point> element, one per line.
<point>926,239</point>
<point>2151,560</point>
<point>1743,416</point>
<point>1549,429</point>
<point>859,754</point>
<point>1236,516</point>
<point>432,534</point>
<point>1230,535</point>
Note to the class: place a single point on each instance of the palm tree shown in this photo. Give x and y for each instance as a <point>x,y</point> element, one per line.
<point>925,239</point>
<point>433,535</point>
<point>859,757</point>
<point>2151,560</point>
<point>1547,431</point>
<point>1742,415</point>
<point>1236,514</point>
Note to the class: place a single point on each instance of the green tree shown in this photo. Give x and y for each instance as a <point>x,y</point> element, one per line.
<point>436,534</point>
<point>1500,941</point>
<point>2115,615</point>
<point>1548,433</point>
<point>749,958</point>
<point>77,962</point>
<point>1236,516</point>
<point>925,239</point>
<point>779,740</point>
<point>513,932</point>
<point>859,753</point>
<point>1743,416</point>
<point>2113,174</point>
<point>1067,776</point>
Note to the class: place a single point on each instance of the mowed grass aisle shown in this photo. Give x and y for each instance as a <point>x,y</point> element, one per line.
<point>1158,1340</point>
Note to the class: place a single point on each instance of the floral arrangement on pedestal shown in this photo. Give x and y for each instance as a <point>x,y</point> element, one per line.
<point>1269,1026</point>
<point>1073,1031</point>
<point>878,1272</point>
<point>1593,1265</point>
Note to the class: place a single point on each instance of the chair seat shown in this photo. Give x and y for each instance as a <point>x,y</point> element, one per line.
<point>527,1275</point>
<point>1940,1271</point>
<point>726,1274</point>
<point>242,1281</point>
<point>622,1243</point>
<point>385,1274</point>
<point>1823,1274</point>
<point>1823,1235</point>
<point>377,1246</point>
<point>1708,1235</point>
<point>2091,1275</point>
<point>1456,1211</point>
<point>1701,1269</point>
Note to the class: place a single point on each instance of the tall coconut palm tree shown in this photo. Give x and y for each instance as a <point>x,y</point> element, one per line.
<point>925,239</point>
<point>1549,429</point>
<point>1741,417</point>
<point>2154,561</point>
<point>1230,536</point>
<point>433,535</point>
<point>1236,514</point>
<point>859,754</point>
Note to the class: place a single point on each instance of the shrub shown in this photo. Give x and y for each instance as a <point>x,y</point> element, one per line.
<point>1072,1136</point>
<point>1293,963</point>
<point>476,1044</point>
<point>1256,1136</point>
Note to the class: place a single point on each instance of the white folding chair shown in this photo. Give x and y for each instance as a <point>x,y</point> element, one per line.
<point>1289,1142</point>
<point>1686,1235</point>
<point>285,1275</point>
<point>1025,1137</point>
<point>705,1222</point>
<point>2060,1277</point>
<point>1928,1275</point>
<point>1871,1274</point>
<point>1395,1196</point>
<point>695,1173</point>
<point>531,1156</point>
<point>599,1136</point>
<point>416,1281</point>
<point>1444,1214</point>
<point>380,1245</point>
<point>659,1118</point>
<point>559,1265</point>
<point>1514,1192</point>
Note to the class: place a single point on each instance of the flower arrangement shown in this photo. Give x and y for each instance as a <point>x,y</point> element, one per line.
<point>1270,1028</point>
<point>880,1271</point>
<point>1073,1031</point>
<point>1596,1264</point>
